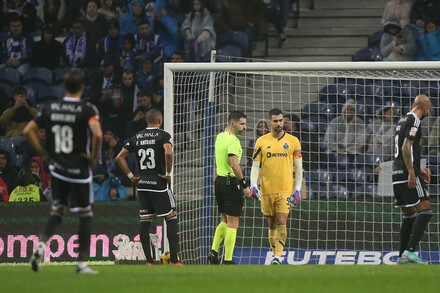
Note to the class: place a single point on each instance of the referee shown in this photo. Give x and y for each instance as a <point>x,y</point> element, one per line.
<point>228,186</point>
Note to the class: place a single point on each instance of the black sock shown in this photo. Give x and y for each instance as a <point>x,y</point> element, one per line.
<point>405,231</point>
<point>172,238</point>
<point>49,228</point>
<point>419,228</point>
<point>144,233</point>
<point>85,229</point>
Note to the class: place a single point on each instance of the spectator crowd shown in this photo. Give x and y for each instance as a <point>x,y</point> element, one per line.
<point>121,47</point>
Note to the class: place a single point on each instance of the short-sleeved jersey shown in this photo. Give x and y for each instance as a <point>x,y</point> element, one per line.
<point>277,162</point>
<point>147,145</point>
<point>226,145</point>
<point>408,127</point>
<point>68,138</point>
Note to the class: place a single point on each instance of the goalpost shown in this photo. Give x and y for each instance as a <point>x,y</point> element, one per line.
<point>347,214</point>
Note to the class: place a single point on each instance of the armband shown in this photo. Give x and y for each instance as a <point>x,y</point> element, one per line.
<point>130,175</point>
<point>168,174</point>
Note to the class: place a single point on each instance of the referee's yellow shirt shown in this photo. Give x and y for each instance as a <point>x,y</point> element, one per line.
<point>226,144</point>
<point>277,162</point>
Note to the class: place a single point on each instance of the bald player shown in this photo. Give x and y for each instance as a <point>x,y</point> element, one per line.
<point>409,181</point>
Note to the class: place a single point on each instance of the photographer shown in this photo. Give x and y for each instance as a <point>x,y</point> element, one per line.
<point>397,43</point>
<point>15,118</point>
<point>144,101</point>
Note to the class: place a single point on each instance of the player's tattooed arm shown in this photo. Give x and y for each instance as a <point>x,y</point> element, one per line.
<point>406,154</point>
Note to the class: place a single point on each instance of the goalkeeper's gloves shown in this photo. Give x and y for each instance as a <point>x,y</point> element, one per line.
<point>294,199</point>
<point>255,193</point>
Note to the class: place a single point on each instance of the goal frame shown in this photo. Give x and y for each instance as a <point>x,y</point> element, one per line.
<point>209,111</point>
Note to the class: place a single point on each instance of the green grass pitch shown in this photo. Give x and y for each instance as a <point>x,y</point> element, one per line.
<point>139,278</point>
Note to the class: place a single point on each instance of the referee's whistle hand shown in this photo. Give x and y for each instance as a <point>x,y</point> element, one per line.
<point>247,192</point>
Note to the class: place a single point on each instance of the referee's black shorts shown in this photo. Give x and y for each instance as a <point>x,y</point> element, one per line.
<point>229,196</point>
<point>405,196</point>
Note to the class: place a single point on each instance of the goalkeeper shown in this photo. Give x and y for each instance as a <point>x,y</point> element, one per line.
<point>277,152</point>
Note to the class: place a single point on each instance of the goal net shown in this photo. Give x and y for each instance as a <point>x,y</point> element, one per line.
<point>347,215</point>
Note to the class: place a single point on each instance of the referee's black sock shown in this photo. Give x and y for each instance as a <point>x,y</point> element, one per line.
<point>172,238</point>
<point>49,228</point>
<point>145,239</point>
<point>419,228</point>
<point>85,229</point>
<point>405,231</point>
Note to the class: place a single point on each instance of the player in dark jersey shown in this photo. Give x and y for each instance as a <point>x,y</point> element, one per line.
<point>72,127</point>
<point>409,181</point>
<point>153,148</point>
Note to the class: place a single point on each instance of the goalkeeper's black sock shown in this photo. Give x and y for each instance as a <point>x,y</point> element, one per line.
<point>85,229</point>
<point>144,234</point>
<point>172,238</point>
<point>419,228</point>
<point>49,228</point>
<point>405,231</point>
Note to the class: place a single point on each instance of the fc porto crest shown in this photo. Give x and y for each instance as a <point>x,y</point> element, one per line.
<point>286,146</point>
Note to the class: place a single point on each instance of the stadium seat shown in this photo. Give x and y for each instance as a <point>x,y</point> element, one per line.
<point>50,93</point>
<point>338,190</point>
<point>375,38</point>
<point>8,89</point>
<point>31,95</point>
<point>434,87</point>
<point>58,74</point>
<point>237,38</point>
<point>365,190</point>
<point>36,87</point>
<point>229,50</point>
<point>335,94</point>
<point>10,76</point>
<point>311,125</point>
<point>362,55</point>
<point>318,183</point>
<point>38,74</point>
<point>23,68</point>
<point>376,54</point>
<point>9,146</point>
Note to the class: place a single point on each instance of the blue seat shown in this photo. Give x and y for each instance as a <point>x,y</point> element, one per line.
<point>228,52</point>
<point>404,89</point>
<point>31,95</point>
<point>364,190</point>
<point>237,38</point>
<point>318,183</point>
<point>38,74</point>
<point>434,89</point>
<point>58,74</point>
<point>434,190</point>
<point>23,68</point>
<point>8,145</point>
<point>362,55</point>
<point>333,94</point>
<point>318,108</point>
<point>368,159</point>
<point>312,126</point>
<point>36,87</point>
<point>340,191</point>
<point>8,89</point>
<point>10,76</point>
<point>50,93</point>
<point>375,38</point>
